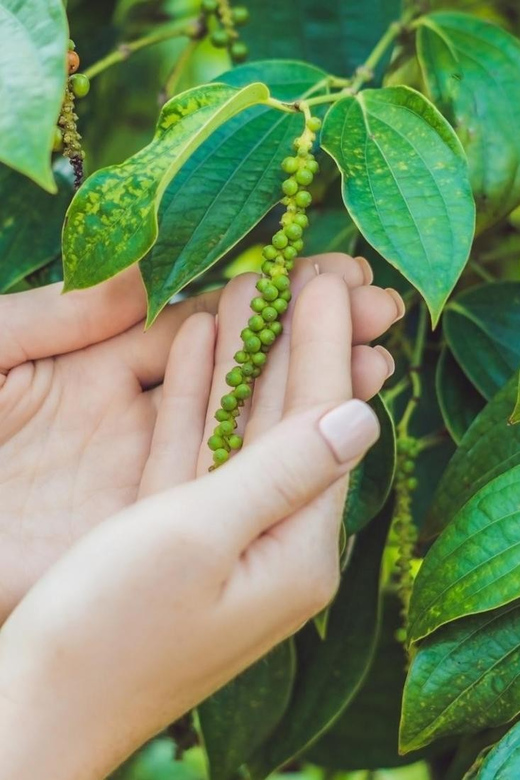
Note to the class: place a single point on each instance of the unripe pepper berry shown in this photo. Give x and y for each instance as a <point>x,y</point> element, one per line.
<point>242,392</point>
<point>290,165</point>
<point>304,177</point>
<point>228,402</point>
<point>256,322</point>
<point>290,186</point>
<point>240,15</point>
<point>238,51</point>
<point>234,377</point>
<point>220,456</point>
<point>257,304</point>
<point>215,442</point>
<point>303,199</point>
<point>209,6</point>
<point>80,84</point>
<point>235,442</point>
<point>280,240</point>
<point>280,305</point>
<point>293,231</point>
<point>219,38</point>
<point>270,314</point>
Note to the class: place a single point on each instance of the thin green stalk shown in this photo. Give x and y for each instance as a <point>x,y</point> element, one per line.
<point>183,28</point>
<point>415,372</point>
<point>172,81</point>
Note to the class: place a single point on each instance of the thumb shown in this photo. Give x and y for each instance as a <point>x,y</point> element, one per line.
<point>292,464</point>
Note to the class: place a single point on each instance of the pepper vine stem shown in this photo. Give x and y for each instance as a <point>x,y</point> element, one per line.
<point>415,372</point>
<point>188,28</point>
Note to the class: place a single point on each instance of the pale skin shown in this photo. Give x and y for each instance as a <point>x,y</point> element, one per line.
<point>129,572</point>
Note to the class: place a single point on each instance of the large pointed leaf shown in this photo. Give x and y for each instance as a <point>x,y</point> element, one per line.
<point>503,761</point>
<point>112,221</point>
<point>474,565</point>
<point>481,326</point>
<point>405,184</point>
<point>490,447</point>
<point>370,482</point>
<point>238,718</point>
<point>330,671</point>
<point>366,734</point>
<point>472,70</point>
<point>335,35</point>
<point>459,402</point>
<point>228,185</point>
<point>33,46</point>
<point>464,678</point>
<point>30,227</point>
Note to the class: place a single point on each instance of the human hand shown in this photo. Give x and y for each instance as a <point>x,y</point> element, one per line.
<point>160,605</point>
<point>79,391</point>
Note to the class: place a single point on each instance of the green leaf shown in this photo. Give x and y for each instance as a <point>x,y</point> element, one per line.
<point>33,42</point>
<point>504,760</point>
<point>330,230</point>
<point>112,221</point>
<point>335,35</point>
<point>405,184</point>
<point>489,448</point>
<point>473,566</point>
<point>239,717</point>
<point>229,184</point>
<point>472,71</point>
<point>29,212</point>
<point>459,402</point>
<point>330,671</point>
<point>515,414</point>
<point>366,734</point>
<point>371,481</point>
<point>481,326</point>
<point>464,678</point>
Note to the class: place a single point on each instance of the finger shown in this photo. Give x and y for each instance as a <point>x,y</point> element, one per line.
<point>371,367</point>
<point>321,343</point>
<point>233,314</point>
<point>43,323</point>
<point>182,410</point>
<point>373,311</point>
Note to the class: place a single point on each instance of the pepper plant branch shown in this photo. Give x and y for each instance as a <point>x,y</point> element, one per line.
<point>188,28</point>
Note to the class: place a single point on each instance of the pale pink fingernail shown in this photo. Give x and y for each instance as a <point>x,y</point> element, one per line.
<point>390,362</point>
<point>350,430</point>
<point>399,303</point>
<point>366,269</point>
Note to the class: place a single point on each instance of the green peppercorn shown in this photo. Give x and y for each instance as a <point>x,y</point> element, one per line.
<point>281,282</point>
<point>257,304</point>
<point>246,334</point>
<point>259,359</point>
<point>219,38</point>
<point>243,391</point>
<point>304,177</point>
<point>256,372</point>
<point>226,427</point>
<point>409,466</point>
<point>234,377</point>
<point>209,6</point>
<point>256,322</point>
<point>267,337</point>
<point>298,245</point>
<point>262,284</point>
<point>293,231</point>
<point>270,252</point>
<point>276,328</point>
<point>412,483</point>
<point>270,293</point>
<point>280,240</point>
<point>286,295</point>
<point>290,165</point>
<point>72,45</point>
<point>235,442</point>
<point>240,15</point>
<point>267,267</point>
<point>247,369</point>
<point>57,144</point>
<point>302,220</point>
<point>228,402</point>
<point>215,442</point>
<point>290,252</point>
<point>290,186</point>
<point>222,416</point>
<point>238,51</point>
<point>312,166</point>
<point>280,305</point>
<point>220,456</point>
<point>314,124</point>
<point>303,199</point>
<point>80,84</point>
<point>240,356</point>
<point>270,314</point>
<point>253,344</point>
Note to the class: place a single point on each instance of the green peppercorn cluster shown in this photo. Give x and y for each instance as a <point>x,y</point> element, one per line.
<point>67,139</point>
<point>403,527</point>
<point>224,20</point>
<point>274,294</point>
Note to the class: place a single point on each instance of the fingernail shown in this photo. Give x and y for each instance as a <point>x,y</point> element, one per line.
<point>349,430</point>
<point>366,268</point>
<point>401,309</point>
<point>390,362</point>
